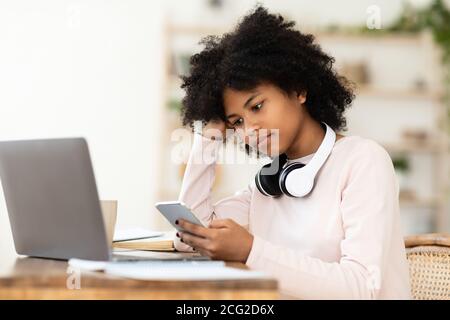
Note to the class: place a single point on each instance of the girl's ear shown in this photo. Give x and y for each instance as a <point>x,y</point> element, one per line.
<point>301,97</point>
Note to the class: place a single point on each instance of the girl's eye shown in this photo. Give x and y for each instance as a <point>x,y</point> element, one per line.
<point>238,122</point>
<point>258,106</point>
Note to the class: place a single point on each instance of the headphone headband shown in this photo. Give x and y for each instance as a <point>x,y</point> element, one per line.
<point>295,179</point>
<point>322,153</point>
<point>298,180</point>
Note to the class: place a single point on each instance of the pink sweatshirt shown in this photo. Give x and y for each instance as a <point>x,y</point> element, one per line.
<point>342,241</point>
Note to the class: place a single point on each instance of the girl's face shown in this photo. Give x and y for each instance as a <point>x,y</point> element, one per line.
<point>265,107</point>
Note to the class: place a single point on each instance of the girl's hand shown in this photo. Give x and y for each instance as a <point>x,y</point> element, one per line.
<point>214,129</point>
<point>223,240</point>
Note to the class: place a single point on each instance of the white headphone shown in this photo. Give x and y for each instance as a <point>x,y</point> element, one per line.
<point>295,179</point>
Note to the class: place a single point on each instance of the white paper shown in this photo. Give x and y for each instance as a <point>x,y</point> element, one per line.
<point>89,265</point>
<point>181,270</point>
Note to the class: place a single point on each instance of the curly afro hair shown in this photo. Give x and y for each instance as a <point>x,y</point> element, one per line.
<point>264,48</point>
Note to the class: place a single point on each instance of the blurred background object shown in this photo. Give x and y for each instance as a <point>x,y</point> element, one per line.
<point>110,71</point>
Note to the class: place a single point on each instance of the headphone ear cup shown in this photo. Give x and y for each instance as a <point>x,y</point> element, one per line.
<point>284,173</point>
<point>268,184</point>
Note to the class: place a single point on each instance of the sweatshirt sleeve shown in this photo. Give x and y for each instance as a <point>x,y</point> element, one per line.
<point>369,205</point>
<point>197,184</point>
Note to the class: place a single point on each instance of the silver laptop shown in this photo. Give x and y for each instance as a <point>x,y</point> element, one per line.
<point>52,200</point>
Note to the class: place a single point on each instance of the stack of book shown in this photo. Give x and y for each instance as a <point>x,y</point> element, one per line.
<point>161,243</point>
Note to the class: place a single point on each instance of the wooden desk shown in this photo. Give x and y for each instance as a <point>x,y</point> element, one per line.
<point>33,278</point>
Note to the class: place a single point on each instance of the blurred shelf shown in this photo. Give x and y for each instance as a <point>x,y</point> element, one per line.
<point>407,147</point>
<point>430,202</point>
<point>321,35</point>
<point>387,38</point>
<point>363,92</point>
<point>368,91</point>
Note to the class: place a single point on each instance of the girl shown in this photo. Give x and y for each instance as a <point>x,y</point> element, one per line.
<point>341,240</point>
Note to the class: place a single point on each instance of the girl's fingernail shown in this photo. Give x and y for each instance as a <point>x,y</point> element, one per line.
<point>176,221</point>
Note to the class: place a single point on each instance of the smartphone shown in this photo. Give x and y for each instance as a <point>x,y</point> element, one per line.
<point>176,210</point>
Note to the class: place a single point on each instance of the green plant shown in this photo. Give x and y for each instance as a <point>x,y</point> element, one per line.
<point>174,104</point>
<point>435,18</point>
<point>401,164</point>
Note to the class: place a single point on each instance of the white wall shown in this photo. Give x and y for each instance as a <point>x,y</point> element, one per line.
<point>87,68</point>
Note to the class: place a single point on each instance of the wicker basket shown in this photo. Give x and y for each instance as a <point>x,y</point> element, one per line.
<point>429,266</point>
